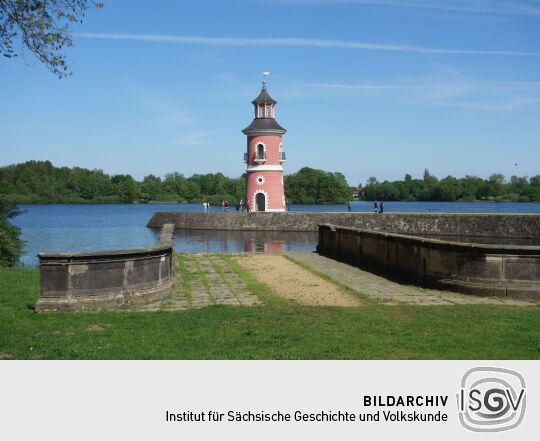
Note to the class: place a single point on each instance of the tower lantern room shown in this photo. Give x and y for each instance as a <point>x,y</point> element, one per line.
<point>264,104</point>
<point>264,157</point>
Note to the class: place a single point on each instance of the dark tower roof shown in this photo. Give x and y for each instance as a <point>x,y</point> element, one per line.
<point>264,124</point>
<point>264,98</point>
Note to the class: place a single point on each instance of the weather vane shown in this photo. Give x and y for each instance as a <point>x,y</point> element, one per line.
<point>263,75</point>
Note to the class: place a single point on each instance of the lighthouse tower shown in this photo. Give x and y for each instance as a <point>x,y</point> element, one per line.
<point>264,157</point>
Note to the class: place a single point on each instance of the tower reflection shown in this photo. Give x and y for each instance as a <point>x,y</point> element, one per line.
<point>200,241</point>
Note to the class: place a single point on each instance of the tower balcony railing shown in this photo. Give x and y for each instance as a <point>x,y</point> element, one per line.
<point>282,157</point>
<point>260,157</point>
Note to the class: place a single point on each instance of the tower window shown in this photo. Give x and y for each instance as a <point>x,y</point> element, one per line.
<point>268,110</point>
<point>260,151</point>
<point>261,112</point>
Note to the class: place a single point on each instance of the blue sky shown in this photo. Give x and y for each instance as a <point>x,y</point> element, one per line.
<point>368,88</point>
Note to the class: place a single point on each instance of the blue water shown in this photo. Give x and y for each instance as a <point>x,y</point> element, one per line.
<point>108,227</point>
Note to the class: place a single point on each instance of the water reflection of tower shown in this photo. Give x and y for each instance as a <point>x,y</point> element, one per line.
<point>269,246</point>
<point>264,157</point>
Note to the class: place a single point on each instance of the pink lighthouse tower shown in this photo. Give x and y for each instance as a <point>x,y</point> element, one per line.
<point>264,157</point>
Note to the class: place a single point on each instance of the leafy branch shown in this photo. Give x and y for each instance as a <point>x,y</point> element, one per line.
<point>43,27</point>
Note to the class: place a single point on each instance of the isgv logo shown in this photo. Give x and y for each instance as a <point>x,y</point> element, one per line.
<point>491,399</point>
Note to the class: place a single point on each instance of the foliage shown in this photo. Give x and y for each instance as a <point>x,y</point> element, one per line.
<point>469,188</point>
<point>215,200</point>
<point>310,186</point>
<point>10,244</point>
<point>39,182</point>
<point>43,28</point>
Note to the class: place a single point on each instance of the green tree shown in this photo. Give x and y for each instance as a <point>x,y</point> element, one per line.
<point>173,182</point>
<point>10,245</point>
<point>471,186</point>
<point>448,189</point>
<point>494,185</point>
<point>372,180</point>
<point>126,188</point>
<point>42,26</point>
<point>534,188</point>
<point>151,188</point>
<point>190,191</point>
<point>310,186</point>
<point>429,179</point>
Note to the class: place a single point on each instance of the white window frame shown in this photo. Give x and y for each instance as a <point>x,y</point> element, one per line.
<point>257,144</point>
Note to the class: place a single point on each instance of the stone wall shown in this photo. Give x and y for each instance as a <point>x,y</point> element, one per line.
<point>525,226</point>
<point>95,280</point>
<point>501,270</point>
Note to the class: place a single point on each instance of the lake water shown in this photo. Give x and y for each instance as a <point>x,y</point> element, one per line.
<point>118,226</point>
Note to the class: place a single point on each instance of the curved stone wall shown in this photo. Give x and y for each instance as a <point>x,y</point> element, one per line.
<point>500,270</point>
<point>92,281</point>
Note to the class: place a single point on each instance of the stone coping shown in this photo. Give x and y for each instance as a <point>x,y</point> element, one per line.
<point>517,225</point>
<point>164,243</point>
<point>446,244</point>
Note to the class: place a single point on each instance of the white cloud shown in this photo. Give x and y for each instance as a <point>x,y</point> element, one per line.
<point>449,89</point>
<point>294,42</point>
<point>523,7</point>
<point>193,139</point>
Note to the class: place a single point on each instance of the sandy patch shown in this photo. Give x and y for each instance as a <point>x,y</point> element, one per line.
<point>291,281</point>
<point>94,328</point>
<point>98,327</point>
<point>5,355</point>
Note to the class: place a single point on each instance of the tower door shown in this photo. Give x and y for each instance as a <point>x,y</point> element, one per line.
<point>260,202</point>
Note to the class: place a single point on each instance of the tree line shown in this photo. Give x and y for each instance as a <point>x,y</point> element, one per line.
<point>40,182</point>
<point>470,188</point>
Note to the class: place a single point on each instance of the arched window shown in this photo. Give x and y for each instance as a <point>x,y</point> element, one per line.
<point>260,151</point>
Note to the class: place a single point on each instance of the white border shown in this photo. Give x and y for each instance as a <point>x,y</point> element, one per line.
<point>254,168</point>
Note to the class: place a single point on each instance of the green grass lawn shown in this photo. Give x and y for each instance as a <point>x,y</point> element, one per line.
<point>277,330</point>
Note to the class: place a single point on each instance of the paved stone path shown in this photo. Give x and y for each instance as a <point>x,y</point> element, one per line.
<point>203,280</point>
<point>390,292</point>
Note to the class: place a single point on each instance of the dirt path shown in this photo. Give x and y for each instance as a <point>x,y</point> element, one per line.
<point>291,281</point>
